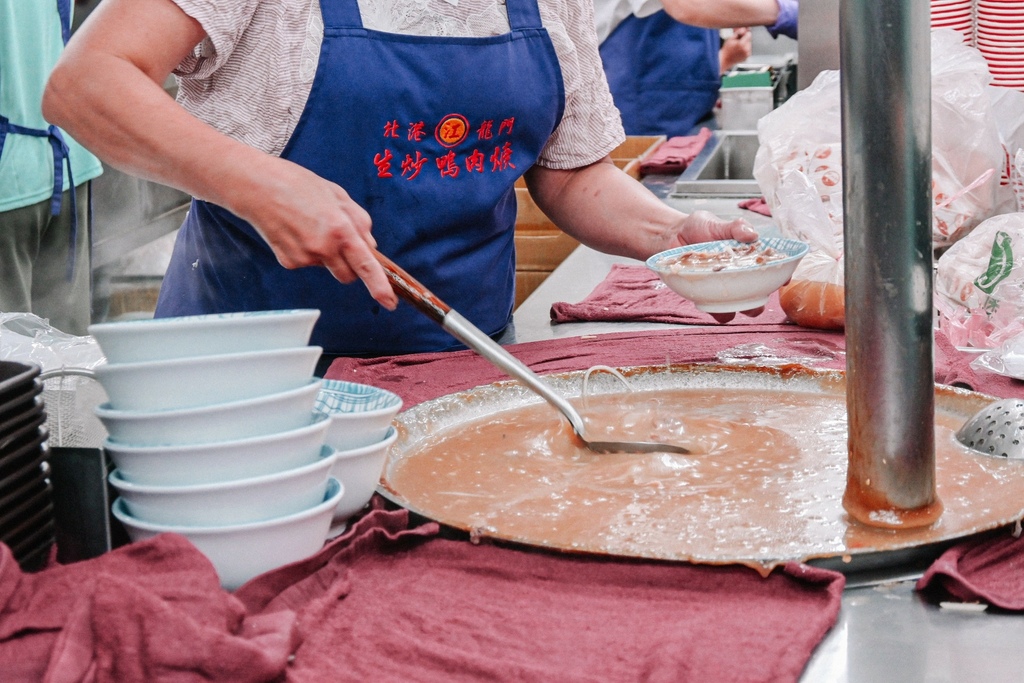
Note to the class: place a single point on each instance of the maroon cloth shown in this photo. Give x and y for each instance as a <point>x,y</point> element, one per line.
<point>757,205</point>
<point>987,569</point>
<point>423,376</point>
<point>391,602</point>
<point>150,611</point>
<point>388,603</point>
<point>636,294</point>
<point>675,154</point>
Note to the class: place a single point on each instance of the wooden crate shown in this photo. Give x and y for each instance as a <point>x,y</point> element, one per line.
<point>630,154</point>
<point>540,246</point>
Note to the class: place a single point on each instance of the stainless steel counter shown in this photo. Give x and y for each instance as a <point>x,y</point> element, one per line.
<point>885,632</point>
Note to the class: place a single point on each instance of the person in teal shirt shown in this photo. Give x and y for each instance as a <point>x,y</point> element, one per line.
<point>44,176</point>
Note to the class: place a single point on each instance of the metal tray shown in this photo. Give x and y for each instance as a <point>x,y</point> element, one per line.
<point>427,419</point>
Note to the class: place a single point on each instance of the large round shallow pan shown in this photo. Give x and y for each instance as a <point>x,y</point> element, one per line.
<point>769,492</point>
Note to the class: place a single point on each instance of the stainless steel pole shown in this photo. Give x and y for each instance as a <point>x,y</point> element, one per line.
<point>885,67</point>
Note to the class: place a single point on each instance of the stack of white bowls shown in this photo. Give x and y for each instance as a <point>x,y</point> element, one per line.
<point>361,432</point>
<point>213,434</point>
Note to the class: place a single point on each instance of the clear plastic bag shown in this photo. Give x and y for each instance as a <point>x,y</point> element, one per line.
<point>1006,360</point>
<point>804,136</point>
<point>69,399</point>
<point>814,296</point>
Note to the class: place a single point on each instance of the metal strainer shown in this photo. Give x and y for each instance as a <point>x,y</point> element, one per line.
<point>997,429</point>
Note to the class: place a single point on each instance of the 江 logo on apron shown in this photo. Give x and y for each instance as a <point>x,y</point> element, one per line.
<point>452,130</point>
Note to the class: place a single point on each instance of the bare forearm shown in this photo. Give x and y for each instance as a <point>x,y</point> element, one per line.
<point>605,208</point>
<point>723,13</point>
<point>131,123</point>
<point>107,91</point>
<point>608,210</point>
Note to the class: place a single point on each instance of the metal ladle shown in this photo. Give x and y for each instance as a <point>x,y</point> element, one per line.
<point>997,429</point>
<point>469,334</point>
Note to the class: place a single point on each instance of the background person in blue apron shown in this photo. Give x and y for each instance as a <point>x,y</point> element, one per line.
<point>44,218</point>
<point>312,131</point>
<point>662,56</point>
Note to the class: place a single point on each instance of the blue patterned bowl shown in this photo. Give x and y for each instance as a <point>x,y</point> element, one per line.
<point>360,414</point>
<point>729,276</point>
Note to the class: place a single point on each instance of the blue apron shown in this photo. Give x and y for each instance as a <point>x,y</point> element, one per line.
<point>429,135</point>
<point>664,75</point>
<point>59,147</point>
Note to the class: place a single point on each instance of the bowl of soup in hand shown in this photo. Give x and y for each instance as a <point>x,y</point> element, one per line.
<point>728,276</point>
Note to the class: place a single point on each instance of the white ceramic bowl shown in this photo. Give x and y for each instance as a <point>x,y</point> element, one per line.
<point>132,341</point>
<point>359,470</point>
<point>739,284</point>
<point>251,417</point>
<point>206,380</point>
<point>240,552</point>
<point>360,413</point>
<point>209,463</point>
<point>238,501</point>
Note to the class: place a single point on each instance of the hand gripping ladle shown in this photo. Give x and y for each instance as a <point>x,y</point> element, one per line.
<point>469,334</point>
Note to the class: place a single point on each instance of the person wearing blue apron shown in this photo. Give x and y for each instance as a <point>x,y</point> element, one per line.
<point>44,235</point>
<point>663,64</point>
<point>409,143</point>
<point>664,75</point>
<point>434,167</point>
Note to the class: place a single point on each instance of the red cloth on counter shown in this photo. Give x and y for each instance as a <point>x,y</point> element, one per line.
<point>388,603</point>
<point>636,294</point>
<point>986,569</point>
<point>423,376</point>
<point>675,154</point>
<point>149,611</point>
<point>757,205</point>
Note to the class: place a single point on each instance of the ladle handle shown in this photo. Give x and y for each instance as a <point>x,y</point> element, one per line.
<point>410,289</point>
<point>473,337</point>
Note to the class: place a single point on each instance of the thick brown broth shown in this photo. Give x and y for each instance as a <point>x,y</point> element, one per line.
<point>765,485</point>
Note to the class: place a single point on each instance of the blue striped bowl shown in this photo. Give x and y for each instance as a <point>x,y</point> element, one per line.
<point>360,414</point>
<point>730,289</point>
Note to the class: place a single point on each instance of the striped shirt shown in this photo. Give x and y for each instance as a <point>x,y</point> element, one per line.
<point>251,76</point>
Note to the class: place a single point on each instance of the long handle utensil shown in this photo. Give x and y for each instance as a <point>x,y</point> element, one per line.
<point>469,334</point>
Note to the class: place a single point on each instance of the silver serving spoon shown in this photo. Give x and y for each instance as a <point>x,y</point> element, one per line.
<point>997,429</point>
<point>469,334</point>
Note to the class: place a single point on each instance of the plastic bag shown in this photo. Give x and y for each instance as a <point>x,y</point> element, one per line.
<point>27,338</point>
<point>1007,360</point>
<point>1008,110</point>
<point>69,400</point>
<point>815,295</point>
<point>979,284</point>
<point>804,136</point>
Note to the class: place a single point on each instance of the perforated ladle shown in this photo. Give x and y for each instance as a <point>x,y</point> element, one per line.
<point>997,429</point>
<point>469,334</point>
